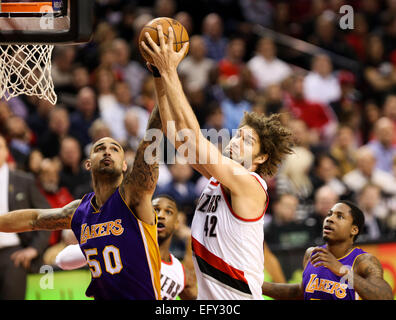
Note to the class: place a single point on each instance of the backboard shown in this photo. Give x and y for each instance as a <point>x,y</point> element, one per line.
<point>46,22</point>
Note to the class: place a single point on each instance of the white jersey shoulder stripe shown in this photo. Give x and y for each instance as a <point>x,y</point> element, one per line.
<point>262,184</point>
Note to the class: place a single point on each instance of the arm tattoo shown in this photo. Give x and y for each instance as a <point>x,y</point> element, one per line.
<point>368,279</point>
<point>55,219</point>
<point>143,176</point>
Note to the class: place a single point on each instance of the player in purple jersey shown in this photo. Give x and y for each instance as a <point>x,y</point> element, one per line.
<point>115,224</point>
<point>337,270</point>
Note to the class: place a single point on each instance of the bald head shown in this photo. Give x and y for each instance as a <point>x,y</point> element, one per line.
<point>384,131</point>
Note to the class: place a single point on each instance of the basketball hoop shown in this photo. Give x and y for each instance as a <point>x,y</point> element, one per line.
<point>28,33</point>
<point>26,69</point>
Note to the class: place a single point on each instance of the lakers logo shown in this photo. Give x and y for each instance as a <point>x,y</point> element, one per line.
<point>328,286</point>
<point>100,230</point>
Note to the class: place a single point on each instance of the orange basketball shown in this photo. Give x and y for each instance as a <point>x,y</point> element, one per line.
<point>180,34</point>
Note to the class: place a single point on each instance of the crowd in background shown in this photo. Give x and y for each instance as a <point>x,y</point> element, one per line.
<point>343,120</point>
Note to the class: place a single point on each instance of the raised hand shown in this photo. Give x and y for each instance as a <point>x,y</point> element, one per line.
<point>164,56</point>
<point>323,257</point>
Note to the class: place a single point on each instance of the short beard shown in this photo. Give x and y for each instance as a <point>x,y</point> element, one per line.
<point>108,174</point>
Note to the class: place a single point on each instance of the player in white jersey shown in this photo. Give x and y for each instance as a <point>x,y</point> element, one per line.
<point>176,280</point>
<point>227,229</point>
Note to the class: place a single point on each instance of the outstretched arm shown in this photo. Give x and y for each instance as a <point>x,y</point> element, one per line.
<point>287,291</point>
<point>166,114</point>
<point>140,181</point>
<point>180,119</point>
<point>38,219</point>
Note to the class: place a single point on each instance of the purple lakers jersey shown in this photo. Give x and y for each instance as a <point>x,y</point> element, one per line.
<point>320,283</point>
<point>121,250</point>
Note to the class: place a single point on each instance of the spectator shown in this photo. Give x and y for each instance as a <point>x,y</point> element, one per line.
<point>114,114</point>
<point>55,195</point>
<point>73,176</point>
<point>389,111</point>
<point>302,135</point>
<point>180,187</point>
<point>130,71</point>
<point>165,8</point>
<point>317,115</point>
<point>327,37</point>
<point>104,84</point>
<point>343,149</point>
<point>356,39</point>
<point>97,130</point>
<point>58,128</point>
<point>33,162</point>
<point>257,12</point>
<point>215,117</point>
<point>348,109</point>
<point>320,85</point>
<point>382,147</point>
<point>80,79</point>
<point>38,121</point>
<point>133,129</point>
<point>5,114</point>
<point>232,64</point>
<point>20,138</point>
<point>196,67</point>
<point>293,178</point>
<point>186,20</point>
<point>325,199</point>
<point>366,172</point>
<point>62,67</point>
<point>265,66</point>
<point>374,213</point>
<point>147,96</point>
<point>326,173</point>
<point>234,105</point>
<point>19,253</point>
<point>371,114</point>
<point>284,231</point>
<point>86,113</point>
<point>212,31</point>
<point>379,73</point>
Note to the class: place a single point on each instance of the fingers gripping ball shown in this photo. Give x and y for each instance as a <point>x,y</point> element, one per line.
<point>179,32</point>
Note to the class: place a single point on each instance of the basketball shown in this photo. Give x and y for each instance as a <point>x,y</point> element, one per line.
<point>179,32</point>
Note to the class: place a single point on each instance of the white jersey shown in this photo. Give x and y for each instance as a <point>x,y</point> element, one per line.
<point>228,250</point>
<point>173,278</point>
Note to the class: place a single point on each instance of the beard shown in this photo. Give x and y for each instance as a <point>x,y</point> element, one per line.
<point>107,172</point>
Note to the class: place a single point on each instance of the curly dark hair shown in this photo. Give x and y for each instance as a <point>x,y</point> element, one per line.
<point>275,140</point>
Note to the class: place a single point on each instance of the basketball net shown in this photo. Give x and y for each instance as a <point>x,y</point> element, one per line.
<point>26,69</point>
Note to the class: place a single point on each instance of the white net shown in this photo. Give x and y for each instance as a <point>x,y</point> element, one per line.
<point>26,69</point>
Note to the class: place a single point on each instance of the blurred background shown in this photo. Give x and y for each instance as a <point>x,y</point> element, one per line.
<point>335,88</point>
